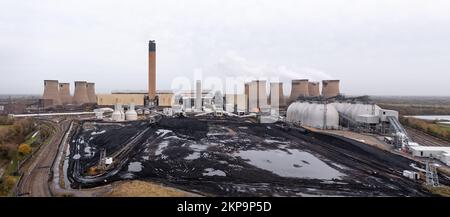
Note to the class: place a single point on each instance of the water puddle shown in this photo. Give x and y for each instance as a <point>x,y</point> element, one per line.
<point>297,164</point>
<point>135,167</point>
<point>213,172</point>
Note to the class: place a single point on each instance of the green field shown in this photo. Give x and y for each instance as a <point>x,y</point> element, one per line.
<point>5,126</point>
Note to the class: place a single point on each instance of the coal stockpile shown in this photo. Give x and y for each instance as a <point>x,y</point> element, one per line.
<point>233,157</point>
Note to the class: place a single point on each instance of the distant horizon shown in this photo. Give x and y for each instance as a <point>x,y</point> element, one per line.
<point>349,95</point>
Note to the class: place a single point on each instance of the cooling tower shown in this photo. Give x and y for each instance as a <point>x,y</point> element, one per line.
<point>299,88</point>
<point>51,92</point>
<point>262,94</point>
<point>80,96</point>
<point>151,70</point>
<point>276,95</point>
<point>198,95</point>
<point>330,88</point>
<point>314,88</point>
<point>64,93</point>
<point>90,88</point>
<point>253,97</point>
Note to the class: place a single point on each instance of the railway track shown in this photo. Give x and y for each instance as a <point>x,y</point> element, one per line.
<point>35,176</point>
<point>425,139</point>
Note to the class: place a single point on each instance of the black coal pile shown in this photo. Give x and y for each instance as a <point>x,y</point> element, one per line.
<point>233,157</point>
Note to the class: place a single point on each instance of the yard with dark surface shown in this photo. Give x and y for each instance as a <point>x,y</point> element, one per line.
<point>233,157</point>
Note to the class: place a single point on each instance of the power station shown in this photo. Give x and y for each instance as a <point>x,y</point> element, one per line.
<point>317,106</point>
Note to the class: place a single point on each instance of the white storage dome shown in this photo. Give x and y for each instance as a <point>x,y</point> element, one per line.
<point>313,115</point>
<point>355,110</point>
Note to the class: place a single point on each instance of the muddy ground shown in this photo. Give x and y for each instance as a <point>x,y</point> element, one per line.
<point>233,157</point>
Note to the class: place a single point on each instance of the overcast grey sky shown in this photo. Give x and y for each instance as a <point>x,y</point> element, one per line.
<point>381,47</point>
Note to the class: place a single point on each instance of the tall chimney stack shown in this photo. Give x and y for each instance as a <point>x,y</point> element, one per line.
<point>152,70</point>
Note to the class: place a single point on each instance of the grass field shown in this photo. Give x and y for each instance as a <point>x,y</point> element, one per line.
<point>5,126</point>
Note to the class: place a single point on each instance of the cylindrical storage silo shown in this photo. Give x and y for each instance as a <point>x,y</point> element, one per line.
<point>117,115</point>
<point>80,96</point>
<point>51,92</point>
<point>299,88</point>
<point>131,114</point>
<point>330,88</point>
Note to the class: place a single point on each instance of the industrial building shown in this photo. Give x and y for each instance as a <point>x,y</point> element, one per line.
<point>436,152</point>
<point>164,98</point>
<point>223,126</point>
